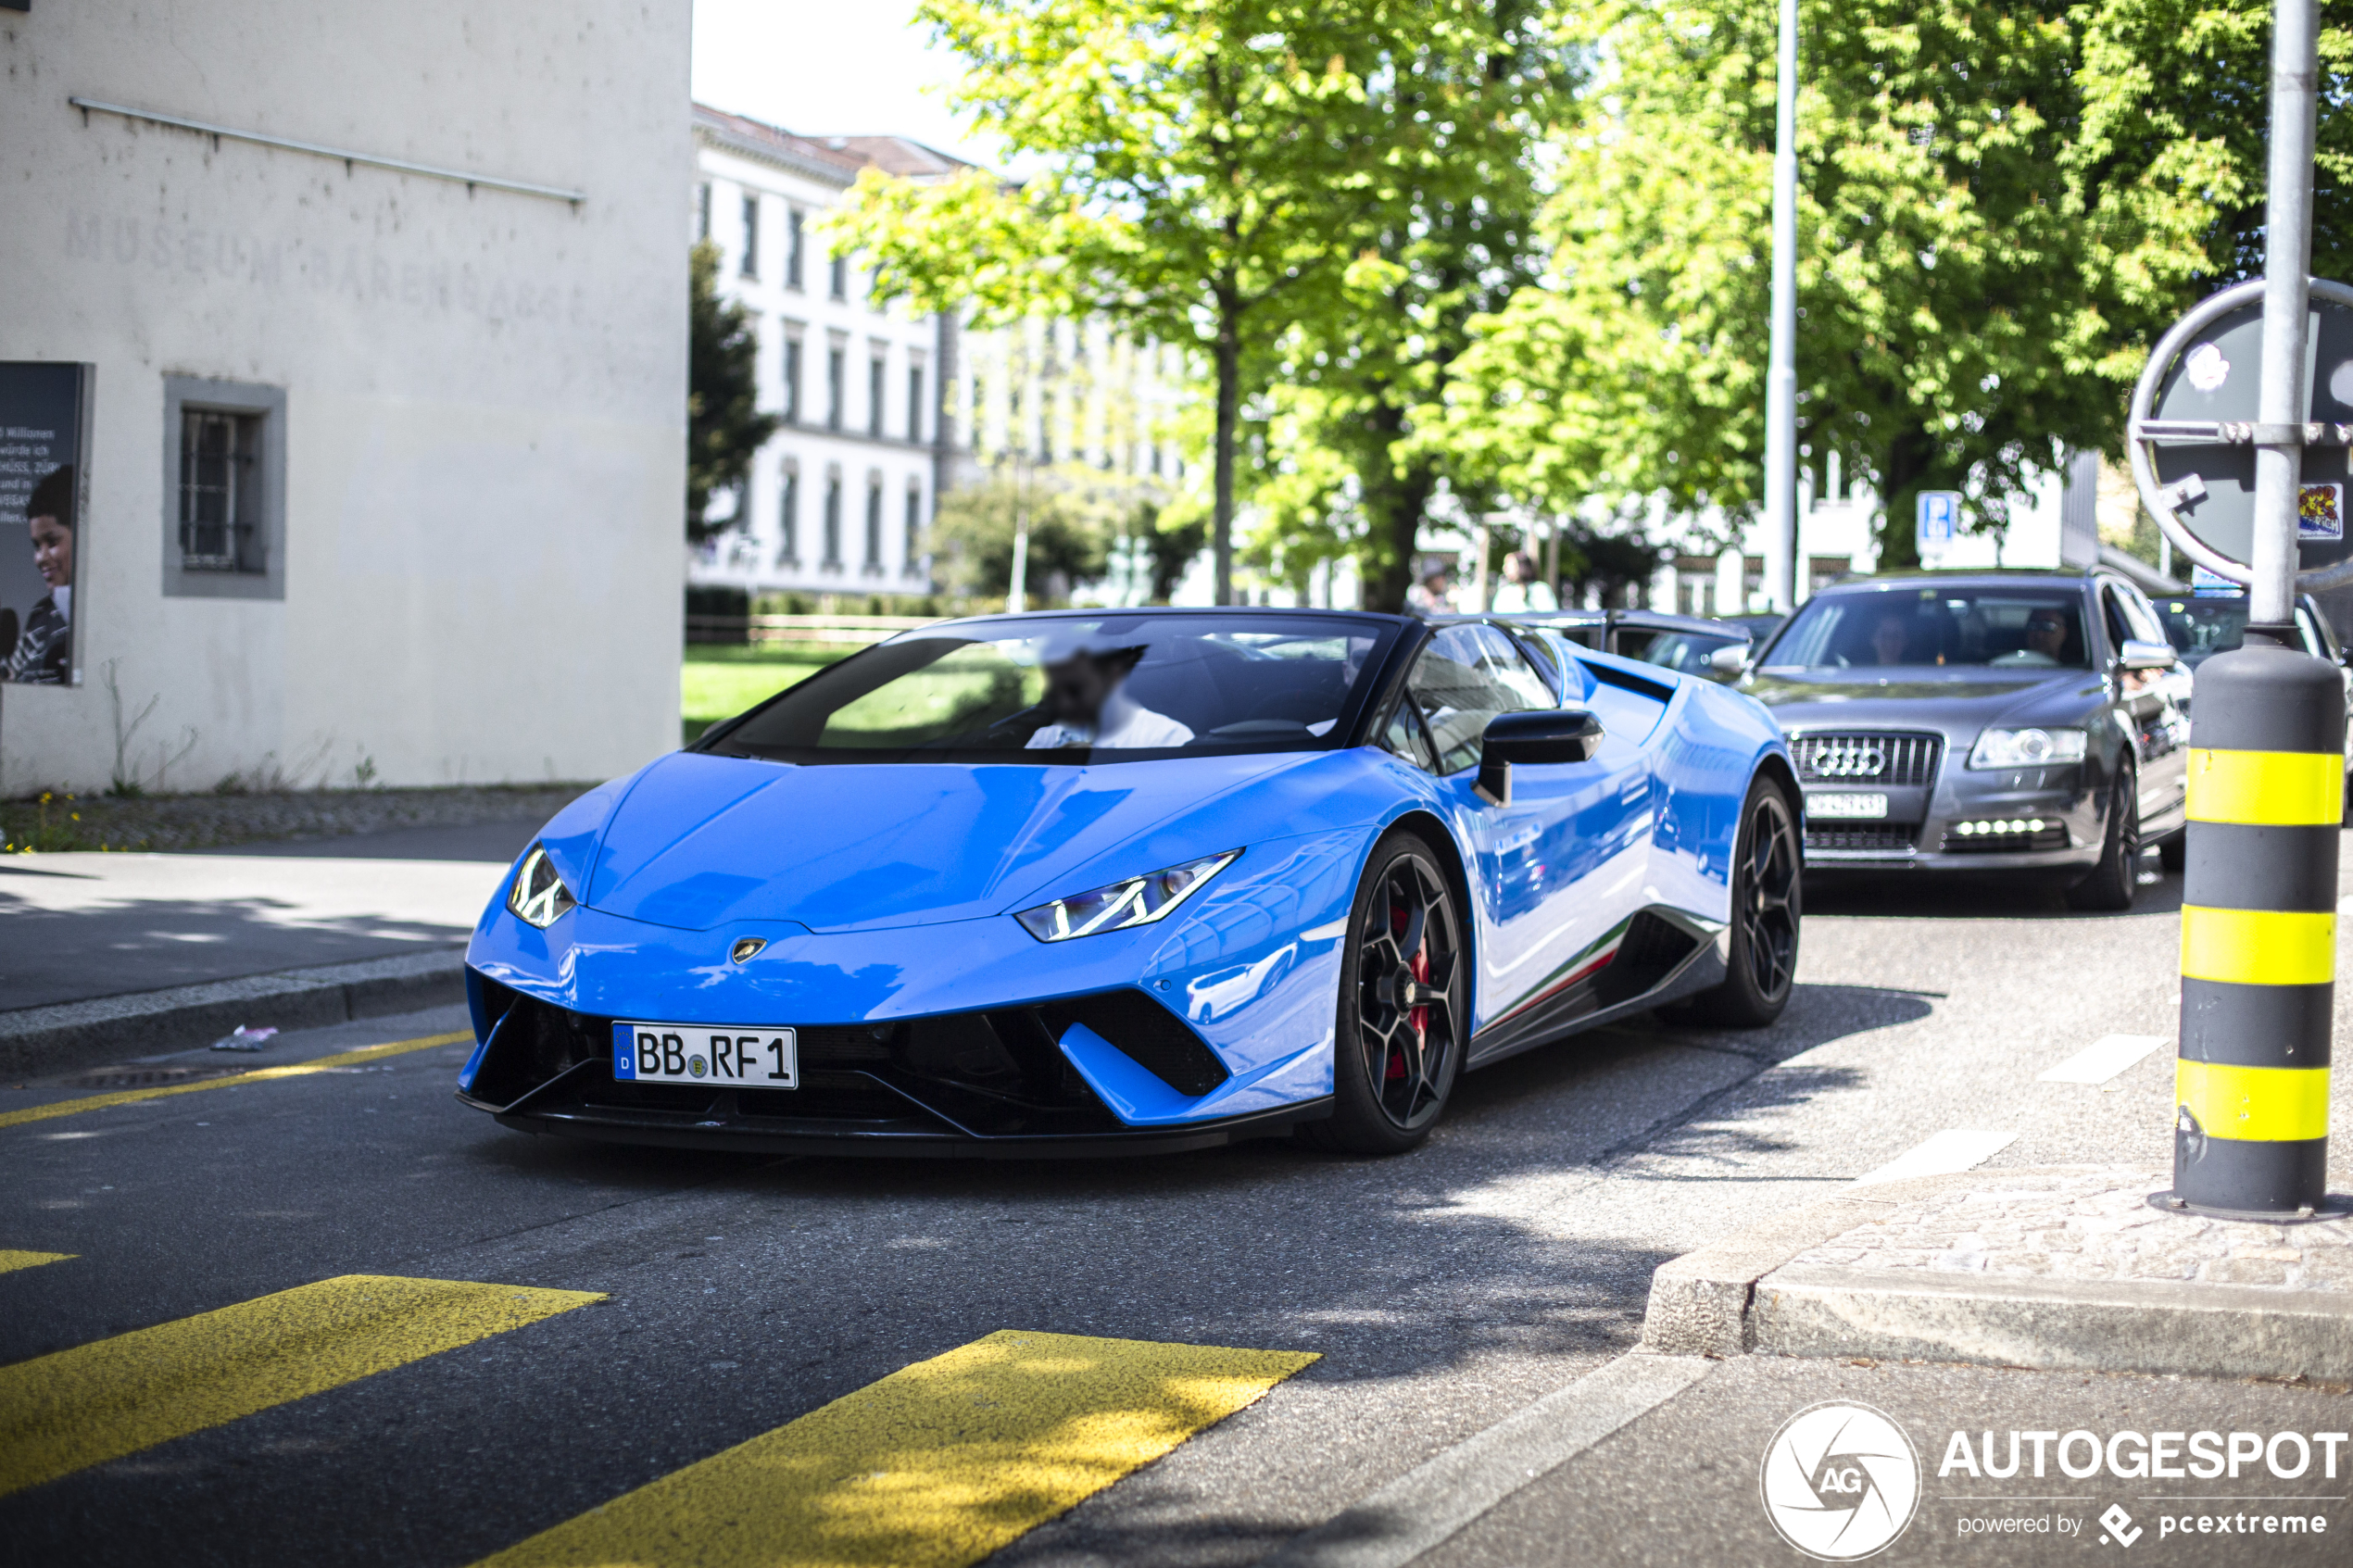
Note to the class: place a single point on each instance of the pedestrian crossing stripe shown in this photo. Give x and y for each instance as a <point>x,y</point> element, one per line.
<point>359,1057</point>
<point>934,1466</point>
<point>11,1260</point>
<point>73,1409</point>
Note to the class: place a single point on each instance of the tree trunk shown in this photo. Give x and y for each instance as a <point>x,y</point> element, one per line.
<point>1229,404</point>
<point>1905,477</point>
<point>1393,507</point>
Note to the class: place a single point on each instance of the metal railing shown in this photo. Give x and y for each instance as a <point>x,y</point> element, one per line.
<point>840,631</point>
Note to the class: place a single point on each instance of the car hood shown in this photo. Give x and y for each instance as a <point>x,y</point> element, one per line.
<point>700,840</point>
<point>1956,702</point>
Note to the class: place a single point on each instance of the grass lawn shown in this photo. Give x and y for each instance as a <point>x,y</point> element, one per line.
<point>721,680</point>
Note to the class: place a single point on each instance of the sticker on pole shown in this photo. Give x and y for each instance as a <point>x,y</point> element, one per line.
<point>2320,513</point>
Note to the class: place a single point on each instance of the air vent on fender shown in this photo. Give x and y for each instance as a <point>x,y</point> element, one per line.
<point>1159,1041</point>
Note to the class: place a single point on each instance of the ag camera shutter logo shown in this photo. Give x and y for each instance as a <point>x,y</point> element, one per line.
<point>1840,1481</point>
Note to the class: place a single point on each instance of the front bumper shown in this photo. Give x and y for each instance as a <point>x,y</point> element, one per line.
<point>1923,828</point>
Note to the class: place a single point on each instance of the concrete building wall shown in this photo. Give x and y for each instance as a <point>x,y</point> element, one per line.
<point>483,392</point>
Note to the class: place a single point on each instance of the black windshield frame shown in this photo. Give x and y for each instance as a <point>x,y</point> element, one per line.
<point>872,667</point>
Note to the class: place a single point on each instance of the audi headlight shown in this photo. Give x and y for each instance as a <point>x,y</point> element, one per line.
<point>1139,900</point>
<point>2026,748</point>
<point>538,896</point>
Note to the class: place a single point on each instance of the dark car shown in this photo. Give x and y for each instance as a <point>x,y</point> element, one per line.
<point>2205,623</point>
<point>1685,644</point>
<point>1983,721</point>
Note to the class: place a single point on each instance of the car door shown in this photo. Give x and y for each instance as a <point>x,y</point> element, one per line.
<point>2160,729</point>
<point>1559,866</point>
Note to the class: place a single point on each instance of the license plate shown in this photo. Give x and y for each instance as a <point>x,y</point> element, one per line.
<point>1823,805</point>
<point>736,1055</point>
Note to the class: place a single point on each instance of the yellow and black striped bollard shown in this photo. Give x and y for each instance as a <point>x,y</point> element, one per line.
<point>2258,936</point>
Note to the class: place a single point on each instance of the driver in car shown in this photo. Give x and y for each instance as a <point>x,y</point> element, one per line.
<point>2045,640</point>
<point>1086,706</point>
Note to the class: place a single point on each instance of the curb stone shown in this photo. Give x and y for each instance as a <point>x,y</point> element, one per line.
<point>43,1041</point>
<point>1747,1295</point>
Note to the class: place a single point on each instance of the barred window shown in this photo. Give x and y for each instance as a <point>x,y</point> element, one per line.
<point>220,493</point>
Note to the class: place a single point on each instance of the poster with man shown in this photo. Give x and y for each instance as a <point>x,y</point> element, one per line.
<point>43,417</point>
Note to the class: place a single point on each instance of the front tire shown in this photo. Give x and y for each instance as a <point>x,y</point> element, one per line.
<point>1404,1005</point>
<point>1767,906</point>
<point>2114,883</point>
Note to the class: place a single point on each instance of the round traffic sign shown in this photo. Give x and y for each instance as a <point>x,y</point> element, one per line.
<point>2193,432</point>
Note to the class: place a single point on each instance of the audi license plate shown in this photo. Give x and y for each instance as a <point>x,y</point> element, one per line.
<point>1823,805</point>
<point>737,1056</point>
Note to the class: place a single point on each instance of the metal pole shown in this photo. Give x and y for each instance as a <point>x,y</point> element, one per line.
<point>1481,601</point>
<point>2266,800</point>
<point>1781,384</point>
<point>1016,595</point>
<point>2287,259</point>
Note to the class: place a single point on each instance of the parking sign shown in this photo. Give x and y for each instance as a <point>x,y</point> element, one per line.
<point>1939,520</point>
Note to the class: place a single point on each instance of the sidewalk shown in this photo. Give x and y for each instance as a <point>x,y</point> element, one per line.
<point>2058,1267</point>
<point>112,956</point>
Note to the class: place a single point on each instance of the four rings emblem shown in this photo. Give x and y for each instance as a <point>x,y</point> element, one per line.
<point>1848,761</point>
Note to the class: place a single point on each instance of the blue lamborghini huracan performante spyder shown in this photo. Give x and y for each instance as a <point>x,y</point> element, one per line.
<point>1117,881</point>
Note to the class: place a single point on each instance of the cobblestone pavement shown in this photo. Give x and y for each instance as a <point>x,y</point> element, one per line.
<point>62,821</point>
<point>2095,1224</point>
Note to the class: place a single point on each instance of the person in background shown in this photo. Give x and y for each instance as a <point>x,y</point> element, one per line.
<point>1430,595</point>
<point>43,655</point>
<point>1523,589</point>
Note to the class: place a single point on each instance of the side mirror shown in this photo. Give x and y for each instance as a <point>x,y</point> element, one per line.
<point>1732,660</point>
<point>2138,655</point>
<point>1547,735</point>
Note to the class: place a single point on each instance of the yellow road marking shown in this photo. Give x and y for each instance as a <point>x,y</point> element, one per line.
<point>2267,788</point>
<point>10,1261</point>
<point>262,1074</point>
<point>2256,1104</point>
<point>2258,947</point>
<point>96,1402</point>
<point>934,1466</point>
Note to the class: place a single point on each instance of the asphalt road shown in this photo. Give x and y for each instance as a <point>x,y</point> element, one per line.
<point>1441,1292</point>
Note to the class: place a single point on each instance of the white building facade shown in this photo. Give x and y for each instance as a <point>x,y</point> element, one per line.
<point>840,499</point>
<point>378,316</point>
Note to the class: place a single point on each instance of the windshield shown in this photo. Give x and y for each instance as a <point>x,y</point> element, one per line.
<point>1998,628</point>
<point>2200,628</point>
<point>1122,687</point>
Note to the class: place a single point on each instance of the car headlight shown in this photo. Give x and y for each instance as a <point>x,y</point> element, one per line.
<point>2026,748</point>
<point>538,896</point>
<point>1139,900</point>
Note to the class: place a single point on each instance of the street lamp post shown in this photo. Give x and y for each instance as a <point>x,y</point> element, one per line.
<point>1781,384</point>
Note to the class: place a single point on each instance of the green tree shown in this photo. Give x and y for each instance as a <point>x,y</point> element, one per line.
<point>724,426</point>
<point>2001,205</point>
<point>1466,97</point>
<point>973,535</point>
<point>1206,168</point>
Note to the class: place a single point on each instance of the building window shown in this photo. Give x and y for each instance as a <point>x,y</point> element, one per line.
<point>793,247</point>
<point>874,373</point>
<point>873,528</point>
<point>832,523</point>
<point>792,379</point>
<point>915,401</point>
<point>224,512</point>
<point>837,278</point>
<point>751,235</point>
<point>979,428</point>
<point>835,370</point>
<point>702,211</point>
<point>789,519</point>
<point>219,508</point>
<point>913,563</point>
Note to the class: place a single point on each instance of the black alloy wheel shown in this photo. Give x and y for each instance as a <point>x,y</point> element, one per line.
<point>2112,884</point>
<point>1403,1006</point>
<point>1768,908</point>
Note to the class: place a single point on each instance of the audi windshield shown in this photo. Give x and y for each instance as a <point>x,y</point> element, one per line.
<point>1122,687</point>
<point>1997,627</point>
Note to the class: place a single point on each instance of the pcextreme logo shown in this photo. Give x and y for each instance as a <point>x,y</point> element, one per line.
<point>1840,1481</point>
